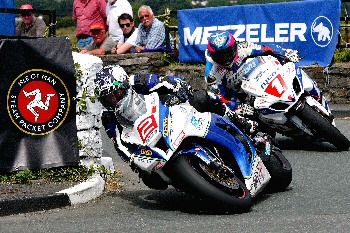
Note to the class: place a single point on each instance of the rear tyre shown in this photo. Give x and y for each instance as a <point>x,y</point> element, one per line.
<point>221,193</point>
<point>323,128</point>
<point>280,170</point>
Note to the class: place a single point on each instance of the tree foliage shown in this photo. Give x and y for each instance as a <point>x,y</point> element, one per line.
<point>65,7</point>
<point>62,7</point>
<point>159,6</point>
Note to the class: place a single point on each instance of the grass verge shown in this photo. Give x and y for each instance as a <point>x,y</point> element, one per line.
<point>62,174</point>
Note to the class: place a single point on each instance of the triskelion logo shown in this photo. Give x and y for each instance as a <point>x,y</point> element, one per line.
<point>322,31</point>
<point>38,102</point>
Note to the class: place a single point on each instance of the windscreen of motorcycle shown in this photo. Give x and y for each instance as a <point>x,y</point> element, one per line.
<point>131,107</point>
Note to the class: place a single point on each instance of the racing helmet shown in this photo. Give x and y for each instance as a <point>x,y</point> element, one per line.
<point>223,48</point>
<point>111,85</point>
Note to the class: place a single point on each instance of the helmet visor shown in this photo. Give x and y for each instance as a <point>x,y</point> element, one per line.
<point>225,57</point>
<point>112,99</point>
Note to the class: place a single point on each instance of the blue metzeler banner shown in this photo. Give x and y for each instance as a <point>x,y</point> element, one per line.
<point>308,26</point>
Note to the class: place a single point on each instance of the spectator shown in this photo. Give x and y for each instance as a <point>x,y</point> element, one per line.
<point>87,13</point>
<point>151,33</point>
<point>30,25</point>
<point>114,9</point>
<point>101,43</point>
<point>127,42</point>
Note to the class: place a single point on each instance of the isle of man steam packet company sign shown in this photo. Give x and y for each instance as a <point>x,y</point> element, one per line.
<point>37,113</point>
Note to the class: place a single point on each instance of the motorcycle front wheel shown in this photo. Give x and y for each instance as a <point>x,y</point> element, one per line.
<point>280,170</point>
<point>323,128</point>
<point>223,192</point>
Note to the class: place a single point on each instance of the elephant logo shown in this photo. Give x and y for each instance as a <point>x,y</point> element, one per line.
<point>322,31</point>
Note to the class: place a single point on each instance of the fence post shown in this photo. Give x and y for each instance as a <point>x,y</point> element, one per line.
<point>52,23</point>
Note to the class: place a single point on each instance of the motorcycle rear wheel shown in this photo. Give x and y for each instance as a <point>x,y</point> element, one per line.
<point>221,193</point>
<point>323,128</point>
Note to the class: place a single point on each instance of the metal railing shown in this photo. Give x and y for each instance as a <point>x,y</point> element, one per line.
<point>344,30</point>
<point>50,13</point>
<point>168,29</point>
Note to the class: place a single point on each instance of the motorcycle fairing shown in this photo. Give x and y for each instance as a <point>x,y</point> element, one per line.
<point>197,151</point>
<point>275,88</point>
<point>157,123</point>
<point>253,170</point>
<point>267,82</point>
<point>149,158</point>
<point>189,123</point>
<point>259,178</point>
<point>228,137</point>
<point>299,75</point>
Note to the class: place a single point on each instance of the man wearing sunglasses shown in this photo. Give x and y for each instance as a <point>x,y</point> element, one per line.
<point>30,26</point>
<point>114,9</point>
<point>151,34</point>
<point>127,41</point>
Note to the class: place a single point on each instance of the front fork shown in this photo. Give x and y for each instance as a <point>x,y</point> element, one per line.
<point>210,158</point>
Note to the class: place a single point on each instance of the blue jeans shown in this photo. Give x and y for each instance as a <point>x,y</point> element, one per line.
<point>84,42</point>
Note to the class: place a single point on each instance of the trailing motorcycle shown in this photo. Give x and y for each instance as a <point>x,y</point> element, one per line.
<point>282,105</point>
<point>200,153</point>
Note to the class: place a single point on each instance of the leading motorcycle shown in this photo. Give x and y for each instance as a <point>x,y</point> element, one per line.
<point>277,93</point>
<point>200,153</point>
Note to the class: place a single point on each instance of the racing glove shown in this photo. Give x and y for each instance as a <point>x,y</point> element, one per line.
<point>292,55</point>
<point>170,100</point>
<point>183,92</point>
<point>247,126</point>
<point>245,110</point>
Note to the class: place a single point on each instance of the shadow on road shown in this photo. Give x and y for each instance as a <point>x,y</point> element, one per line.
<point>172,200</point>
<point>285,143</point>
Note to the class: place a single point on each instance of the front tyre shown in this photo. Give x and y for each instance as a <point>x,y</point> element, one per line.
<point>227,193</point>
<point>280,171</point>
<point>323,128</point>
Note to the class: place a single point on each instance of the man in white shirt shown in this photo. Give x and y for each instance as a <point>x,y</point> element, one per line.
<point>114,9</point>
<point>128,40</point>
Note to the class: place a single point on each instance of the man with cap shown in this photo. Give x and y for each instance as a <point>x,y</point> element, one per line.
<point>102,44</point>
<point>30,26</point>
<point>86,13</point>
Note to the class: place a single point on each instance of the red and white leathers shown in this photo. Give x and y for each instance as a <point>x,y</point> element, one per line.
<point>225,82</point>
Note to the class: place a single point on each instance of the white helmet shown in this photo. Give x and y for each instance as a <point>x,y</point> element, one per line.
<point>109,80</point>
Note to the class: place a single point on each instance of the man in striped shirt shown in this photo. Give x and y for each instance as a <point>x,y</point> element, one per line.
<point>151,33</point>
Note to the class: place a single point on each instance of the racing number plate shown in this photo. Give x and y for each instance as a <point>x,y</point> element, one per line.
<point>146,127</point>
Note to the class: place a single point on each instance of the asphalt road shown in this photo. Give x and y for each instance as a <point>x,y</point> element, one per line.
<point>317,201</point>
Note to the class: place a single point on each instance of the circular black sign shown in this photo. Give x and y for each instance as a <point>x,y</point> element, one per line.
<point>38,102</point>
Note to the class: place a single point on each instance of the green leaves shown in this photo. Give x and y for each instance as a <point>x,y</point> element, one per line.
<point>79,173</point>
<point>82,104</point>
<point>342,55</point>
